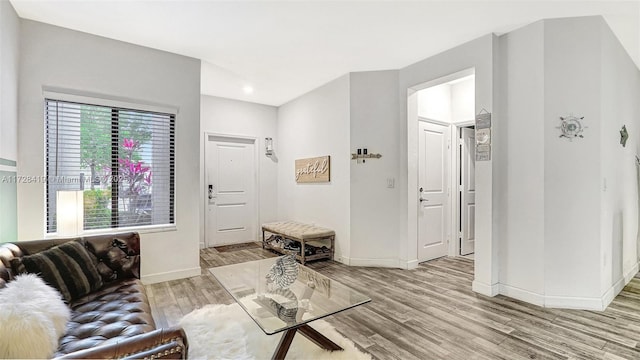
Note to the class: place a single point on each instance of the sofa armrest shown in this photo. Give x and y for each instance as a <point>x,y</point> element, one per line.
<point>170,343</point>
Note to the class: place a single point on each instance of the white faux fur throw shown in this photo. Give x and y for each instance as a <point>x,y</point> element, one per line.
<point>227,332</point>
<point>32,318</point>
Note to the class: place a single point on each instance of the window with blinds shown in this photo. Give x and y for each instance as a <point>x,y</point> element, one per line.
<point>122,159</point>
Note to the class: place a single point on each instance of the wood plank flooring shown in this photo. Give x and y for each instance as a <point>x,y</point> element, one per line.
<point>431,313</point>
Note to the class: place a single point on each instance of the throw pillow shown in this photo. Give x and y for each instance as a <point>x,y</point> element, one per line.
<point>32,319</point>
<point>68,267</point>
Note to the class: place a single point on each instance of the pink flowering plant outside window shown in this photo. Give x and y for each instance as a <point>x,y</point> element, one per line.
<point>135,183</point>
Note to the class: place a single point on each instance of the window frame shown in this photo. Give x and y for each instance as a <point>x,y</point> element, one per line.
<point>121,104</point>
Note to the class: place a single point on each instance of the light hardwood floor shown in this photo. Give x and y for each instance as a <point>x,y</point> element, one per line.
<point>431,313</point>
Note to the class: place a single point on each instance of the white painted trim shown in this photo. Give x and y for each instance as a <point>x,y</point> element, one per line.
<point>459,75</point>
<point>631,273</point>
<point>610,294</point>
<point>485,289</point>
<point>8,168</point>
<point>616,288</point>
<point>433,121</point>
<point>520,294</point>
<point>566,302</point>
<point>569,302</point>
<point>171,275</point>
<point>385,263</point>
<point>411,264</point>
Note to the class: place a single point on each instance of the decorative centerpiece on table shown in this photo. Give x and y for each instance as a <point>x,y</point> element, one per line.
<point>284,272</point>
<point>283,302</point>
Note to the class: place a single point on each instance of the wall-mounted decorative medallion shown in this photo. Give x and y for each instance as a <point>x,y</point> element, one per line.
<point>571,127</point>
<point>624,135</point>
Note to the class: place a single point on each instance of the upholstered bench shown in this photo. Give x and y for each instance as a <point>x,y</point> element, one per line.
<point>305,234</point>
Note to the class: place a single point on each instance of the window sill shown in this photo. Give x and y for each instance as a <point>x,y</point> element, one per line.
<point>139,229</point>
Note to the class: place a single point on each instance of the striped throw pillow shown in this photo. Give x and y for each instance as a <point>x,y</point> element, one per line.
<point>68,267</point>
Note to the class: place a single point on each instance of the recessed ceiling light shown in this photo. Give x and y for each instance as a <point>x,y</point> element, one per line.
<point>248,89</point>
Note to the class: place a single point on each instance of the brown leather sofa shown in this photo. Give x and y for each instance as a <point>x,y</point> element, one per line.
<point>115,321</point>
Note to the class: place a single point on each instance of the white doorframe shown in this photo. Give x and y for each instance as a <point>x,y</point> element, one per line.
<point>412,159</point>
<point>232,137</point>
<point>456,129</point>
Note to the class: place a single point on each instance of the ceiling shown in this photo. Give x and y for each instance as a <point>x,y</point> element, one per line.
<point>285,49</point>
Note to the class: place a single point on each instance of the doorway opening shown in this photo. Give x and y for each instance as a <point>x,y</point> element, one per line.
<point>445,150</point>
<point>231,215</point>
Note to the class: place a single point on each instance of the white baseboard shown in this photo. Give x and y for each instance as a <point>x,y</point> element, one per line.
<point>614,290</point>
<point>411,264</point>
<point>485,289</point>
<point>387,263</point>
<point>384,263</point>
<point>171,275</point>
<point>520,294</point>
<point>569,302</point>
<point>631,273</point>
<point>610,294</point>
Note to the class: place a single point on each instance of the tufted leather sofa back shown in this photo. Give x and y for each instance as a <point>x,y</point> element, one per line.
<point>118,255</point>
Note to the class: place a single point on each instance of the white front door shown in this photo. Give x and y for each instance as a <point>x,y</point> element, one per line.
<point>230,191</point>
<point>433,182</point>
<point>467,191</point>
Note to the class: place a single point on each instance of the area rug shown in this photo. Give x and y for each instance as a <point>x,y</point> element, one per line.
<point>227,332</point>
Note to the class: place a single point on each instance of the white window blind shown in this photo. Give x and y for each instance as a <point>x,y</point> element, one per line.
<point>123,159</point>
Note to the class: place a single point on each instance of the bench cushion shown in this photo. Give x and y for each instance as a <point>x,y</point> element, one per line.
<point>298,230</point>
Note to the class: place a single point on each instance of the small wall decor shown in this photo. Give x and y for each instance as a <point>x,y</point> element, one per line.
<point>624,135</point>
<point>364,154</point>
<point>571,127</point>
<point>483,135</point>
<point>313,170</point>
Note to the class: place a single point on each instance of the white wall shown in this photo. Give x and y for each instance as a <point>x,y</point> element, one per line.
<point>434,103</point>
<point>620,91</point>
<point>451,102</point>
<point>374,206</point>
<point>62,58</point>
<point>233,117</point>
<point>572,169</point>
<point>462,100</point>
<point>9,63</point>
<point>317,124</point>
<point>522,92</point>
<point>571,206</point>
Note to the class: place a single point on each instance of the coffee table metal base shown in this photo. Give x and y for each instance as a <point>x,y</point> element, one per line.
<point>308,332</point>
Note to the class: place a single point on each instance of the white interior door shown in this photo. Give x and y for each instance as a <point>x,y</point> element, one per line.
<point>433,180</point>
<point>231,191</point>
<point>467,191</point>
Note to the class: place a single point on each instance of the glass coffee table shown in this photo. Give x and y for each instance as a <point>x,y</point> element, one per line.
<point>275,309</point>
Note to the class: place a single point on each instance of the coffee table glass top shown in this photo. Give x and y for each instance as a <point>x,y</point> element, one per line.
<point>310,297</point>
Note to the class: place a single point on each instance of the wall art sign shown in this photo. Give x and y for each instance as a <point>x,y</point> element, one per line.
<point>313,170</point>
